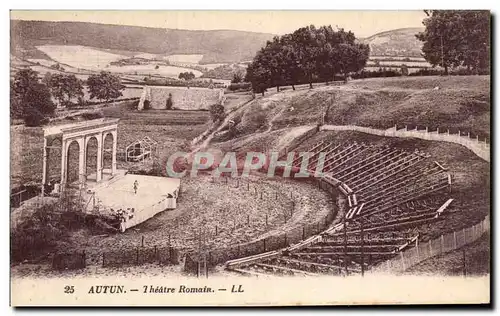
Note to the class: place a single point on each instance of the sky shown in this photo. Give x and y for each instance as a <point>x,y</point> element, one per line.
<point>362,23</point>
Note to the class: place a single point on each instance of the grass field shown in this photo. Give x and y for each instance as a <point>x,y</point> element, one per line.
<point>80,56</point>
<point>150,69</point>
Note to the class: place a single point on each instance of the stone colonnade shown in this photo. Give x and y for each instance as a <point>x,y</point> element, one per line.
<point>80,133</point>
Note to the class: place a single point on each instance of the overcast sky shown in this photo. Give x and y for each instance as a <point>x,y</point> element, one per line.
<point>362,23</point>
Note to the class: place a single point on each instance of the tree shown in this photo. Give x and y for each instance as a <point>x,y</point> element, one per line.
<point>237,77</point>
<point>290,60</point>
<point>187,75</point>
<point>455,38</point>
<point>217,112</point>
<point>307,51</point>
<point>306,55</point>
<point>64,87</point>
<point>104,86</point>
<point>258,74</point>
<point>350,58</point>
<point>30,99</point>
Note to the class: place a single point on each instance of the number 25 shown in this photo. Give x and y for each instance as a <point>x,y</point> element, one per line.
<point>69,289</point>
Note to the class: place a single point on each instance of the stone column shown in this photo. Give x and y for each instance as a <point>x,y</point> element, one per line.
<point>64,154</point>
<point>81,161</point>
<point>44,167</point>
<point>115,143</point>
<point>99,157</point>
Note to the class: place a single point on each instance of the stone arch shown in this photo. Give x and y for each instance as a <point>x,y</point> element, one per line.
<point>107,152</point>
<point>73,162</point>
<point>54,153</point>
<point>91,156</point>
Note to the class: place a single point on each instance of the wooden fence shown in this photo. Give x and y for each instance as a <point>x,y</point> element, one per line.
<point>442,244</point>
<point>479,147</point>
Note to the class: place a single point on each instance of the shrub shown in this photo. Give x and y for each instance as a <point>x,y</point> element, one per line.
<point>243,86</point>
<point>170,102</point>
<point>426,72</point>
<point>33,117</point>
<point>217,112</point>
<point>92,115</point>
<point>376,74</point>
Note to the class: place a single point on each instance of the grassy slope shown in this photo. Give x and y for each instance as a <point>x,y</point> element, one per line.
<point>399,42</point>
<point>477,261</point>
<point>461,103</point>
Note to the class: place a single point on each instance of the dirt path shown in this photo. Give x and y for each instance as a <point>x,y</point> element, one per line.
<point>224,123</point>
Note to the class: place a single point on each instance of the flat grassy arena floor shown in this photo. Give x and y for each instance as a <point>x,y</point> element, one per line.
<point>235,208</point>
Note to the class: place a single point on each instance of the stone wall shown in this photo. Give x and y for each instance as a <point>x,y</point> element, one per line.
<point>182,97</point>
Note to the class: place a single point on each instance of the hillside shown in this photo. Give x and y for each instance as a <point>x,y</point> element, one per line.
<point>217,46</point>
<point>400,42</point>
<point>460,103</point>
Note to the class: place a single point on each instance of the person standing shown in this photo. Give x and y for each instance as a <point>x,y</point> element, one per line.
<point>136,186</point>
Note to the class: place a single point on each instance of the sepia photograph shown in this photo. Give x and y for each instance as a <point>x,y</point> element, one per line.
<point>250,158</point>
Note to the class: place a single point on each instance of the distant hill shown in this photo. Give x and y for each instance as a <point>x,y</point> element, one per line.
<point>217,46</point>
<point>400,42</point>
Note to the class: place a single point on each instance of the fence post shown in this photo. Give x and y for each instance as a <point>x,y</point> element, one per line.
<point>402,260</point>
<point>137,256</point>
<point>264,241</point>
<point>418,251</point>
<point>454,240</point>
<point>103,259</point>
<point>442,243</point>
<point>142,241</point>
<point>430,248</point>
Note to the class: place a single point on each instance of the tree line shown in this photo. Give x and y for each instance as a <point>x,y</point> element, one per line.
<point>32,99</point>
<point>307,55</point>
<point>457,38</point>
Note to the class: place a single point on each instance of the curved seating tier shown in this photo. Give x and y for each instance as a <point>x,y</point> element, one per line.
<point>388,193</point>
